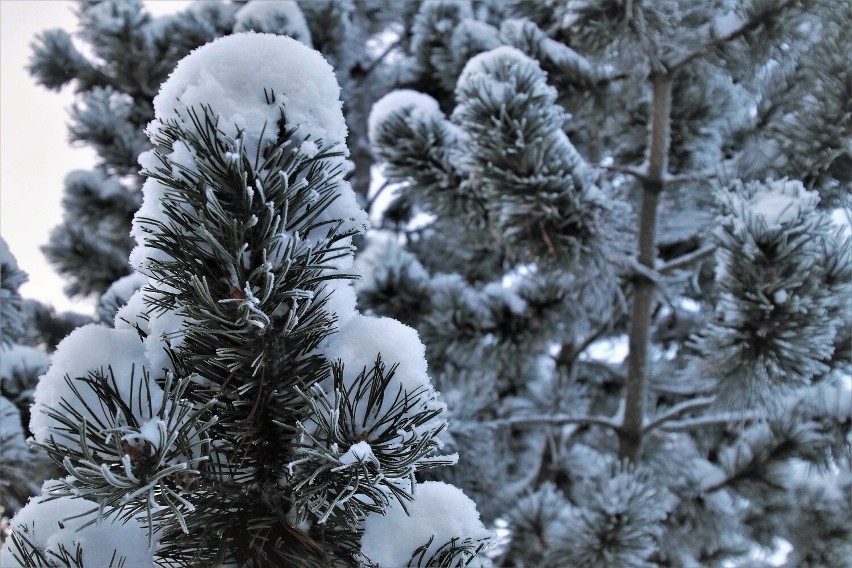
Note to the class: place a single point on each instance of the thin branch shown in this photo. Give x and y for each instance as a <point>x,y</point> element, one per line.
<point>646,272</point>
<point>372,201</point>
<point>677,411</point>
<point>685,178</point>
<point>628,170</point>
<point>687,259</point>
<point>378,61</point>
<point>554,420</point>
<point>708,421</point>
<point>574,352</point>
<point>746,27</point>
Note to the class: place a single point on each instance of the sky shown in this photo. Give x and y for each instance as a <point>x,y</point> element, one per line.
<point>35,155</point>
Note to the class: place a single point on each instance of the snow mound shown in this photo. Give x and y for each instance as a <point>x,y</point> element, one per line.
<point>438,510</point>
<point>54,524</point>
<point>89,349</point>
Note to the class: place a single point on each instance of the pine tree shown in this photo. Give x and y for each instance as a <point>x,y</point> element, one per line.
<point>125,55</point>
<point>241,411</point>
<point>20,365</point>
<point>658,173</point>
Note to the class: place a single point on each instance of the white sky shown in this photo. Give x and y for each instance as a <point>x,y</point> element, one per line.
<point>35,155</point>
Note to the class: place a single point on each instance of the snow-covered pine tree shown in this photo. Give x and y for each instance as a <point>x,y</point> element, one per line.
<point>20,365</point>
<point>125,55</point>
<point>531,134</point>
<point>241,412</point>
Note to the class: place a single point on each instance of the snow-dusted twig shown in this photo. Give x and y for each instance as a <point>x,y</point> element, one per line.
<point>551,420</point>
<point>640,269</point>
<point>569,353</point>
<point>677,411</point>
<point>684,178</point>
<point>690,424</point>
<point>687,259</point>
<point>628,170</point>
<point>372,201</point>
<point>378,60</point>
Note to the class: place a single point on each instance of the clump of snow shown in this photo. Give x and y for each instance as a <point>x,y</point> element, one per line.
<point>54,524</point>
<point>359,342</point>
<point>507,295</point>
<point>224,74</point>
<point>727,23</point>
<point>88,349</point>
<point>776,203</point>
<point>341,299</point>
<point>405,100</point>
<point>439,510</point>
<point>133,313</point>
<point>281,17</point>
<point>360,452</point>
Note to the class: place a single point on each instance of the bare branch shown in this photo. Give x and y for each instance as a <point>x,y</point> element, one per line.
<point>640,269</point>
<point>378,60</point>
<point>687,259</point>
<point>372,201</point>
<point>677,411</point>
<point>569,353</point>
<point>553,420</point>
<point>685,178</point>
<point>708,421</point>
<point>628,170</point>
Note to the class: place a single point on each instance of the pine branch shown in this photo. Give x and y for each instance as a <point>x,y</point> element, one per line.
<point>677,411</point>
<point>687,259</point>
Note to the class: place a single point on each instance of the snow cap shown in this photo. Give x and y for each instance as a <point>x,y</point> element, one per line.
<point>231,73</point>
<point>282,17</point>
<point>399,100</point>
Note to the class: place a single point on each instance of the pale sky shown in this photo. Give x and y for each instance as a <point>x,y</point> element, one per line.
<point>35,155</point>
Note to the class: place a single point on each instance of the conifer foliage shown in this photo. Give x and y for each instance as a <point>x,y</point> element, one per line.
<point>115,63</point>
<point>669,178</point>
<point>241,412</point>
<point>572,176</point>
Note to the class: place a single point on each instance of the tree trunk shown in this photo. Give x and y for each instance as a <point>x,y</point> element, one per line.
<point>653,182</point>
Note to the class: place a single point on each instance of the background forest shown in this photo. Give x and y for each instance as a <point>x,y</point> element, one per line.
<point>570,286</point>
